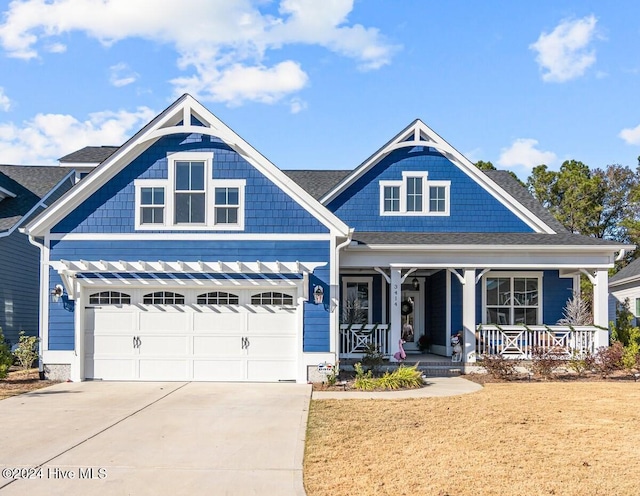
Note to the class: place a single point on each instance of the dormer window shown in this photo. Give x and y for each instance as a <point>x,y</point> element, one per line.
<point>414,195</point>
<point>191,198</point>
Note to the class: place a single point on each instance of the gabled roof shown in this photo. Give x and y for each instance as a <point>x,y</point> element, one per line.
<point>419,134</point>
<point>185,116</point>
<point>317,182</point>
<point>89,155</point>
<point>28,185</point>
<point>630,273</point>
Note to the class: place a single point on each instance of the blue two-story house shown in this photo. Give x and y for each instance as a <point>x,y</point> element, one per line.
<point>187,255</point>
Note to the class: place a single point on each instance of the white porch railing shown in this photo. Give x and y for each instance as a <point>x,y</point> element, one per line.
<point>354,339</point>
<point>517,341</point>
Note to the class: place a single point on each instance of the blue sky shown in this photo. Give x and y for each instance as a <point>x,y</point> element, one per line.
<point>323,84</point>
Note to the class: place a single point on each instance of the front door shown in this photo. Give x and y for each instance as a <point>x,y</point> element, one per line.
<point>412,320</point>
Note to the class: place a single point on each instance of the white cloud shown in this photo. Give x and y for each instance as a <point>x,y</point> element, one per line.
<point>56,48</point>
<point>5,102</point>
<point>565,53</point>
<point>122,75</point>
<point>523,152</point>
<point>215,41</point>
<point>631,136</point>
<point>48,137</point>
<point>297,105</point>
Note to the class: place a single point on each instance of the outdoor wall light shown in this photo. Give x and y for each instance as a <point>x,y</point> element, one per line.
<point>416,283</point>
<point>318,294</point>
<point>56,293</point>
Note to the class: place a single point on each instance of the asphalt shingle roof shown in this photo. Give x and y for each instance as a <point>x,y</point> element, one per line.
<point>29,184</point>
<point>629,272</point>
<point>90,154</point>
<point>487,239</point>
<point>317,182</point>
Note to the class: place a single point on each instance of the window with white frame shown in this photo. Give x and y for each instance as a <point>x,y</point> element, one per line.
<point>357,296</point>
<point>513,298</point>
<point>218,298</point>
<point>152,205</point>
<point>190,193</point>
<point>415,194</point>
<point>272,298</point>
<point>191,197</point>
<point>227,204</point>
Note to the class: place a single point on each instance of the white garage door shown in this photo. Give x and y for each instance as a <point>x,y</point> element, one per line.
<point>187,335</point>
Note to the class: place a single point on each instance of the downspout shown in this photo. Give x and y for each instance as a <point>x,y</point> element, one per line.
<point>336,284</point>
<point>40,306</point>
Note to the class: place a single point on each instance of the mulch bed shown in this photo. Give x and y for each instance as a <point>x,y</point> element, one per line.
<point>21,381</point>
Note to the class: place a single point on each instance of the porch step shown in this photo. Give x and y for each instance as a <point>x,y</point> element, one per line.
<point>443,368</point>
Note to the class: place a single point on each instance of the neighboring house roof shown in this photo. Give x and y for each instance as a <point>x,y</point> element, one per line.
<point>629,274</point>
<point>29,184</point>
<point>317,182</point>
<point>90,154</point>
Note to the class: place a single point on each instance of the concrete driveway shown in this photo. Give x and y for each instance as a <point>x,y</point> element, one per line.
<point>154,438</point>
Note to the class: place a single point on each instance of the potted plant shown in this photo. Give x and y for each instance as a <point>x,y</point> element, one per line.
<point>424,343</point>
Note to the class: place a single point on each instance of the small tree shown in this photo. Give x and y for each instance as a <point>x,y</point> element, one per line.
<point>5,356</point>
<point>354,313</point>
<point>576,311</point>
<point>623,329</point>
<point>26,352</point>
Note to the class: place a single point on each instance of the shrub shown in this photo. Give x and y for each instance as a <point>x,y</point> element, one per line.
<point>402,377</point>
<point>544,363</point>
<point>364,381</point>
<point>499,367</point>
<point>373,358</point>
<point>581,364</point>
<point>609,358</point>
<point>6,359</point>
<point>624,331</point>
<point>26,352</point>
<point>631,355</point>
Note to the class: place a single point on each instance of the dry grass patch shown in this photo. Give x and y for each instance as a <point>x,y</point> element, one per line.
<point>21,381</point>
<point>508,439</point>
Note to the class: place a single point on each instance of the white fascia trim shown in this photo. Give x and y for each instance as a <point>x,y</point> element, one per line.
<point>506,266</point>
<point>173,236</point>
<point>475,248</point>
<point>166,124</point>
<point>624,281</point>
<point>425,136</point>
<point>75,165</point>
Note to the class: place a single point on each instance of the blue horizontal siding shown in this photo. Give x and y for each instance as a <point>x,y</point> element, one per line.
<point>472,208</point>
<point>316,317</point>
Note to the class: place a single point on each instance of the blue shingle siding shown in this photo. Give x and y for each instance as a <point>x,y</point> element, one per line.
<point>19,285</point>
<point>267,208</point>
<point>316,317</point>
<point>472,208</point>
<point>555,293</point>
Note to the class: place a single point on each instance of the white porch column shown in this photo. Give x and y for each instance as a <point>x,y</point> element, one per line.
<point>601,307</point>
<point>469,315</point>
<point>395,293</point>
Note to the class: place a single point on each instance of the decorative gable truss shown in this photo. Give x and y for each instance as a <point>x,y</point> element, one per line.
<point>415,194</point>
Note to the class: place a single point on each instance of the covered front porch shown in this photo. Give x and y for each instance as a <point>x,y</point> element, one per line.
<point>501,300</point>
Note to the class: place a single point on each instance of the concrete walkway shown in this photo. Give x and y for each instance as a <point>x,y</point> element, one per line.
<point>436,386</point>
<point>111,438</point>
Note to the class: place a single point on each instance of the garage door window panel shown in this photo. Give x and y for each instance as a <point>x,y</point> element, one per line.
<point>272,298</point>
<point>218,298</point>
<point>163,298</point>
<point>109,298</point>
